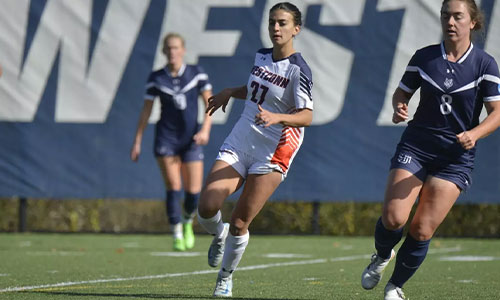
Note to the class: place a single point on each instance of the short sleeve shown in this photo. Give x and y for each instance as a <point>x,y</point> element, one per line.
<point>203,80</point>
<point>490,85</point>
<point>411,80</point>
<point>152,90</point>
<point>303,88</point>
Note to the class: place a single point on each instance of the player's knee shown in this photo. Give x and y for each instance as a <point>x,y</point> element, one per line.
<point>210,201</point>
<point>207,210</point>
<point>394,221</point>
<point>238,226</point>
<point>421,232</point>
<point>173,185</point>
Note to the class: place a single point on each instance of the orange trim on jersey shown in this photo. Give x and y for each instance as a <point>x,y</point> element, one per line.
<point>287,146</point>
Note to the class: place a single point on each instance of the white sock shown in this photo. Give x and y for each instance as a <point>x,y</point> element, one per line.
<point>233,251</point>
<point>212,225</point>
<point>177,231</point>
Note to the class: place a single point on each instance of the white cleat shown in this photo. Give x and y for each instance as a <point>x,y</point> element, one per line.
<point>216,250</point>
<point>392,292</point>
<point>373,273</point>
<point>224,286</point>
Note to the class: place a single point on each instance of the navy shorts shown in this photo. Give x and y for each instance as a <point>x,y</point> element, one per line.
<point>188,152</point>
<point>422,164</point>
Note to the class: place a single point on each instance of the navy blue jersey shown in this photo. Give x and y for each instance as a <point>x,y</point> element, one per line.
<point>451,95</point>
<point>179,101</point>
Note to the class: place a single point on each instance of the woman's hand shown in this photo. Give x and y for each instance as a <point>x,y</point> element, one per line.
<point>266,118</point>
<point>201,138</point>
<point>135,151</point>
<point>400,113</point>
<point>218,100</point>
<point>466,140</point>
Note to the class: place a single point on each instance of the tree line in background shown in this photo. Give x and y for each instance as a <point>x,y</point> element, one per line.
<point>134,216</point>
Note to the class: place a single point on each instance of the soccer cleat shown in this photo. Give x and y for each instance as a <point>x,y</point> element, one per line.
<point>216,250</point>
<point>393,292</point>
<point>179,244</point>
<point>224,286</point>
<point>188,235</point>
<point>373,273</point>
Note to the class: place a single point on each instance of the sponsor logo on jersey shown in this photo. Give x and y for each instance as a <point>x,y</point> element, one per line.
<point>499,87</point>
<point>448,83</point>
<point>404,159</point>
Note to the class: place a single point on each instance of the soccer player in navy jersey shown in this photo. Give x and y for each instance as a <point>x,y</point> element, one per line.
<point>259,150</point>
<point>435,157</point>
<point>178,136</point>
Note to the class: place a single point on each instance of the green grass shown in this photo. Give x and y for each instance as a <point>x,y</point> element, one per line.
<point>99,266</point>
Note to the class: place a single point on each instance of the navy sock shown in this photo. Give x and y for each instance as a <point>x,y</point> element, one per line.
<point>385,239</point>
<point>174,206</point>
<point>190,203</point>
<point>410,256</point>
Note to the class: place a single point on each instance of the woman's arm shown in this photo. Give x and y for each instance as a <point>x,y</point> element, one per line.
<point>222,98</point>
<point>239,92</point>
<point>301,118</point>
<point>143,122</point>
<point>469,138</point>
<point>202,136</point>
<point>400,101</point>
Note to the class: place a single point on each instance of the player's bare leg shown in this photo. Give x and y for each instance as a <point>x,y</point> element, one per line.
<point>222,181</point>
<point>257,190</point>
<point>397,206</point>
<point>436,199</point>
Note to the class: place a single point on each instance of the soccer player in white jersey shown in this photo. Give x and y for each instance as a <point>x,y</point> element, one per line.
<point>259,150</point>
<point>435,157</point>
<point>178,136</point>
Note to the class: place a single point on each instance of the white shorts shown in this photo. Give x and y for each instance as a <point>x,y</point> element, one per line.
<point>246,164</point>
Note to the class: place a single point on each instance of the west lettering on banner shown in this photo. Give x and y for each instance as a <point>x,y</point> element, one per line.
<point>86,89</point>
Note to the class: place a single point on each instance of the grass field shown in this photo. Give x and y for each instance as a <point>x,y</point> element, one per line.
<point>99,266</point>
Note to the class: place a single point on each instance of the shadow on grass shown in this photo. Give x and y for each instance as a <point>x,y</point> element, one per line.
<point>146,296</point>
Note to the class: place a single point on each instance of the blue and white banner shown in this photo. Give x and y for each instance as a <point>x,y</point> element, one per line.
<point>74,74</point>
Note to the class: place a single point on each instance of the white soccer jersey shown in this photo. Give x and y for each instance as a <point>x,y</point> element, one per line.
<point>282,86</point>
